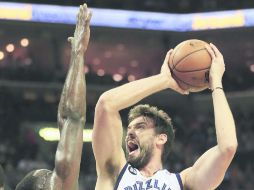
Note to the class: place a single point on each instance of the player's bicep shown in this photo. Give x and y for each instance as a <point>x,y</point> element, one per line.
<point>208,171</point>
<point>107,139</point>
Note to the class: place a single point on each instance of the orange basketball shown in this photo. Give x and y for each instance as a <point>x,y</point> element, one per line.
<point>189,64</point>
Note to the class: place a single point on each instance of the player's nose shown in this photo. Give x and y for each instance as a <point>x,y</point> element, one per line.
<point>130,134</point>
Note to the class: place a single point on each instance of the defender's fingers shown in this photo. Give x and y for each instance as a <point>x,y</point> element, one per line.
<point>89,16</point>
<point>85,6</point>
<point>69,39</point>
<point>84,10</point>
<point>82,15</point>
<point>78,16</point>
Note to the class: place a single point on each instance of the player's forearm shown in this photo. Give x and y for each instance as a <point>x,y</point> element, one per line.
<point>76,102</point>
<point>130,93</point>
<point>224,122</point>
<point>73,100</point>
<point>62,103</point>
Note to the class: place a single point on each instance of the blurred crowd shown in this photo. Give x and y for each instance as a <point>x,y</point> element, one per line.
<point>29,65</point>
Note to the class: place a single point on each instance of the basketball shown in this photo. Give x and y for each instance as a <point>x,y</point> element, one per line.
<point>189,64</point>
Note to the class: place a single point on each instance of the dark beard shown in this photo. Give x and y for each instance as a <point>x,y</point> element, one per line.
<point>144,157</point>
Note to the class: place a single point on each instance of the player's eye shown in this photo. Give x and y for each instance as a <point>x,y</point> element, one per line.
<point>140,126</point>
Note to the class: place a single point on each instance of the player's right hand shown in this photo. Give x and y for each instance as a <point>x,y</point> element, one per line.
<point>165,72</point>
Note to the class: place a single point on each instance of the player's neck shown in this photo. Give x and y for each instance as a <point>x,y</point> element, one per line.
<point>151,168</point>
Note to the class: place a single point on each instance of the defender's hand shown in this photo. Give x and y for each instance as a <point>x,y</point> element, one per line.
<point>165,72</point>
<point>81,37</point>
<point>217,67</point>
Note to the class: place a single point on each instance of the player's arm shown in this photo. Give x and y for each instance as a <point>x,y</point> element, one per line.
<point>72,108</point>
<point>107,132</point>
<point>209,170</point>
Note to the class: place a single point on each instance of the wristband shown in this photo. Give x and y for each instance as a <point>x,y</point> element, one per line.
<point>216,88</point>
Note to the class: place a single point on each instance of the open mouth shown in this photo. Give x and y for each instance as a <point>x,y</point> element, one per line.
<point>132,147</point>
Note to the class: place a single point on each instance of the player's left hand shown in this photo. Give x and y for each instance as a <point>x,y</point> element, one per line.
<point>217,67</point>
<point>81,37</point>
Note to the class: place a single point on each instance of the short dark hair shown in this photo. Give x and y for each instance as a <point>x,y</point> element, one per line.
<point>35,180</point>
<point>162,122</point>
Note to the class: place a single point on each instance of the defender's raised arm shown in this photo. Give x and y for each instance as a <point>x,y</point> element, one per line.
<point>72,107</point>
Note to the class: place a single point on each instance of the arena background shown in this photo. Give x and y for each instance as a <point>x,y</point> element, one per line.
<point>34,58</point>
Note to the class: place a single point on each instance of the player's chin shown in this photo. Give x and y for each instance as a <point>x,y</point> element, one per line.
<point>133,154</point>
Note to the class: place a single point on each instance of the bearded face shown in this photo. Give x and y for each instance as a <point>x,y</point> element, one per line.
<point>139,154</point>
<point>140,142</point>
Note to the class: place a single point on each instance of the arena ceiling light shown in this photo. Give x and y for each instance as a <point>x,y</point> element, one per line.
<point>52,134</point>
<point>129,19</point>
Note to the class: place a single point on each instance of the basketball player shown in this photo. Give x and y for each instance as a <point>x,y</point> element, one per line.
<point>71,119</point>
<point>150,134</point>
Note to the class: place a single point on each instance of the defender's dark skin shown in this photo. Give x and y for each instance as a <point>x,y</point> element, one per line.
<point>71,119</point>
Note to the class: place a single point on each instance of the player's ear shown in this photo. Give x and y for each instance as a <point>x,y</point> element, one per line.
<point>162,139</point>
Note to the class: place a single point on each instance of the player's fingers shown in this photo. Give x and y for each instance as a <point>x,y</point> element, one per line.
<point>215,49</point>
<point>167,56</point>
<point>170,51</point>
<point>185,92</point>
<point>177,88</point>
<point>210,51</point>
